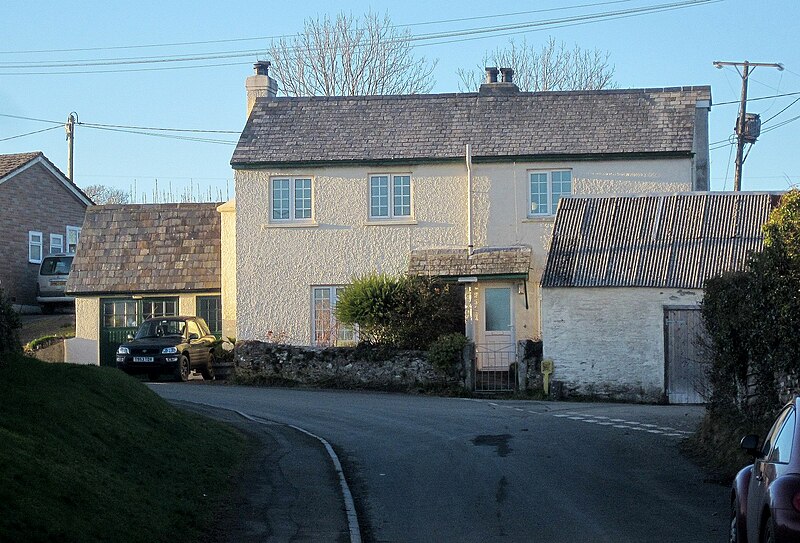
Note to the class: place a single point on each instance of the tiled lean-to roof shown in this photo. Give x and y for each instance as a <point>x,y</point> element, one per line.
<point>666,241</point>
<point>148,248</point>
<point>489,261</point>
<point>421,127</point>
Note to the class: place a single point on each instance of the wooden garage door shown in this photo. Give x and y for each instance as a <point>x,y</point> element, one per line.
<point>686,351</point>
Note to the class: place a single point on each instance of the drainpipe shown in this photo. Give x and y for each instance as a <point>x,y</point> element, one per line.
<point>468,153</point>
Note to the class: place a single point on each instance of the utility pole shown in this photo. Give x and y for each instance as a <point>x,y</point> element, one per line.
<point>742,134</point>
<point>70,129</point>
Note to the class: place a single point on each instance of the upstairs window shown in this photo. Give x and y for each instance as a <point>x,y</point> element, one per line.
<point>546,189</point>
<point>291,199</point>
<point>73,235</point>
<point>389,196</point>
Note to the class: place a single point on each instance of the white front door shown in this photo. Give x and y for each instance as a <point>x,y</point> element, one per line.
<point>498,349</point>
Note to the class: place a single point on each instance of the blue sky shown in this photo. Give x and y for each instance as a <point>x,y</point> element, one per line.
<point>669,48</point>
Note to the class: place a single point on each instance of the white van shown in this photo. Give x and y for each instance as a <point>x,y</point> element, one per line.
<point>52,280</point>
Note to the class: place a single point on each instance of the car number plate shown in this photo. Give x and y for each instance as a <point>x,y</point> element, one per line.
<point>142,358</point>
<point>58,283</point>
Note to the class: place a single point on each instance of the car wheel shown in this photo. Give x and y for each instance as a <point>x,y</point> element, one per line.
<point>208,371</point>
<point>184,369</point>
<point>733,536</point>
<point>768,532</point>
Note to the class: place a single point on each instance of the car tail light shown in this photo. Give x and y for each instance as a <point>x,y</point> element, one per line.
<point>796,501</point>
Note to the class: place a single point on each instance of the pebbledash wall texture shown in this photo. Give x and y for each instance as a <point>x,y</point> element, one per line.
<point>277,264</point>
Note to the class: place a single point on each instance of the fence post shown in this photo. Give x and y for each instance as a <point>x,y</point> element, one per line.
<point>468,359</point>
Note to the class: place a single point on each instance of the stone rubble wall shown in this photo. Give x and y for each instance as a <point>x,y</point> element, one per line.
<point>361,367</point>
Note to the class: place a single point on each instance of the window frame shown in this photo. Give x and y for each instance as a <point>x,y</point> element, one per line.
<point>59,247</point>
<point>77,230</point>
<point>552,206</point>
<point>34,244</point>
<point>391,196</point>
<point>205,306</point>
<point>292,199</point>
<point>333,324</point>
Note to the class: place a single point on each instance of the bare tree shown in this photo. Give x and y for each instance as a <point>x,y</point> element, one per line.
<point>554,67</point>
<point>102,194</point>
<point>350,56</point>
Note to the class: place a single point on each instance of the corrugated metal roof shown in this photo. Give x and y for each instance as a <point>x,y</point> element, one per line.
<point>660,241</point>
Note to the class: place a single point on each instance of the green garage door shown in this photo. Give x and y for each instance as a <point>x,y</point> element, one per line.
<point>120,317</point>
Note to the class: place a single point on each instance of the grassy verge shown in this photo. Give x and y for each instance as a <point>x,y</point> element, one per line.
<point>715,445</point>
<point>89,454</point>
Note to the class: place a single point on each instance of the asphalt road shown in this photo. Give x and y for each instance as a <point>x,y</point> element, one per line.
<point>440,469</point>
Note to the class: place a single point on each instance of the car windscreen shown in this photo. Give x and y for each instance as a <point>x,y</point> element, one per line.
<point>56,265</point>
<point>160,328</point>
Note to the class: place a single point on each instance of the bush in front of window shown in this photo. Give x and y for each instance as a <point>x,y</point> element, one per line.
<point>406,312</point>
<point>9,324</point>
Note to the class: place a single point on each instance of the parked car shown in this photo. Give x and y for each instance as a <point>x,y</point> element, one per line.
<point>52,281</point>
<point>173,345</point>
<point>765,499</point>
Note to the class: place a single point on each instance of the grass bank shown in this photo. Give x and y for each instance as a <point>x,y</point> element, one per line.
<point>89,454</point>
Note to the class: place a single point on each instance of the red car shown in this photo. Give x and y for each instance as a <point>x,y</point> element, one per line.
<point>765,499</point>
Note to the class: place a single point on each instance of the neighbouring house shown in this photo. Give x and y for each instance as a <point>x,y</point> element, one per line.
<point>140,261</point>
<point>43,213</point>
<point>623,284</point>
<point>463,186</point>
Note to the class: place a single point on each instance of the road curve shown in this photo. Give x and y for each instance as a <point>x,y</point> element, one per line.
<point>441,469</point>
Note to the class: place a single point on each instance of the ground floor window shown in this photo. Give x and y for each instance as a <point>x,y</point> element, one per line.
<point>35,247</point>
<point>326,330</point>
<point>56,244</point>
<point>210,309</point>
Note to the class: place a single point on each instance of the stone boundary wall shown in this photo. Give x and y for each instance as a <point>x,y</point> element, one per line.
<point>362,367</point>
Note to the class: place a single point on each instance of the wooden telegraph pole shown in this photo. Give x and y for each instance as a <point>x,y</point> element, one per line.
<point>747,129</point>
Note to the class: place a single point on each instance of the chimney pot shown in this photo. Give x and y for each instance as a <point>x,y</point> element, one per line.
<point>507,75</point>
<point>262,67</point>
<point>491,74</point>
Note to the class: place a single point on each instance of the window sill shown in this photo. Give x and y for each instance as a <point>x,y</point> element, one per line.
<point>542,218</point>
<point>290,224</point>
<point>391,222</point>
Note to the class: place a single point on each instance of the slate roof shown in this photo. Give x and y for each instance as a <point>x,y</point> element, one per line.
<point>661,241</point>
<point>459,263</point>
<point>437,126</point>
<point>129,249</point>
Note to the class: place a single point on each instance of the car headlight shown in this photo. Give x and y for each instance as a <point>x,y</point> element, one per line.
<point>123,350</point>
<point>169,350</point>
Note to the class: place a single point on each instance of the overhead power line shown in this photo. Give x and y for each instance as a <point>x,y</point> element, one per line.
<point>262,38</point>
<point>434,38</point>
<point>29,133</point>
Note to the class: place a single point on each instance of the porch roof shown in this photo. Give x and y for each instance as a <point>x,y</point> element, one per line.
<point>484,262</point>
